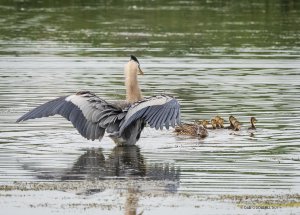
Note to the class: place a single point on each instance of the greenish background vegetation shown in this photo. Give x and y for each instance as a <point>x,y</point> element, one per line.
<point>149,28</point>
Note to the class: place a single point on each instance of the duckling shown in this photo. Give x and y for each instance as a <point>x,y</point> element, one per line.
<point>207,125</point>
<point>236,126</point>
<point>232,119</point>
<point>217,118</point>
<point>219,122</point>
<point>230,126</point>
<point>192,130</point>
<point>199,122</point>
<point>204,123</point>
<point>213,123</point>
<point>253,120</point>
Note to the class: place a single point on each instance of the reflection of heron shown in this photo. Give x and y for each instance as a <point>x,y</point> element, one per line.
<point>126,161</point>
<point>122,162</point>
<point>131,204</point>
<point>88,166</point>
<point>124,120</point>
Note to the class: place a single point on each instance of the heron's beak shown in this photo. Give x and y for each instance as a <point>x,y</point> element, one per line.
<point>140,71</point>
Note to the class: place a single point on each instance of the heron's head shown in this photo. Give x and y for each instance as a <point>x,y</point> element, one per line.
<point>133,66</point>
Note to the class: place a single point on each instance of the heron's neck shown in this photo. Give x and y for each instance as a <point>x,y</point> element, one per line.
<point>133,92</point>
<point>252,125</point>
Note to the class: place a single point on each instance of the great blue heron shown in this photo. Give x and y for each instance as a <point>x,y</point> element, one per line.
<point>123,120</point>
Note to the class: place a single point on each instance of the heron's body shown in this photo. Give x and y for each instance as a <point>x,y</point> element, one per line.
<point>123,120</point>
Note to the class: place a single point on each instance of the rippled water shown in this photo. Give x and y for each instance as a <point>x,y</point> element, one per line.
<point>225,162</point>
<point>215,57</point>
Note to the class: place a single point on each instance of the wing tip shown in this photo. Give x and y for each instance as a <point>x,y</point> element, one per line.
<point>21,119</point>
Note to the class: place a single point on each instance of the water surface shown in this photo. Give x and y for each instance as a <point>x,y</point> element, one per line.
<point>204,88</point>
<point>215,58</point>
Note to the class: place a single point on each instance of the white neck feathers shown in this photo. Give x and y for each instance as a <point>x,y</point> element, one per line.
<point>133,92</point>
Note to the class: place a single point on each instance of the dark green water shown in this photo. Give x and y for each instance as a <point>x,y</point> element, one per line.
<point>150,28</point>
<point>216,57</point>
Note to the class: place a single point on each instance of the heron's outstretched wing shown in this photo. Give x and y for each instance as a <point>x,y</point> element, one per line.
<point>157,111</point>
<point>89,114</point>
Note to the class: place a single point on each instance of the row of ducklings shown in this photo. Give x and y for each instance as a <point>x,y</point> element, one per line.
<point>218,122</point>
<point>199,128</point>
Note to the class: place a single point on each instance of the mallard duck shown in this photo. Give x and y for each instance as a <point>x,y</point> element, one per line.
<point>185,128</point>
<point>201,131</point>
<point>191,129</point>
<point>253,120</point>
<point>124,120</point>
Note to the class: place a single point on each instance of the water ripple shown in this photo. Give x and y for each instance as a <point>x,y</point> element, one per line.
<point>266,161</point>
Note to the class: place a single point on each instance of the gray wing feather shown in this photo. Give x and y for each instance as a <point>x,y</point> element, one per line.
<point>89,114</point>
<point>178,121</point>
<point>157,111</point>
<point>153,116</point>
<point>156,117</point>
<point>173,119</point>
<point>159,118</point>
<point>170,114</point>
<point>46,109</point>
<point>163,118</point>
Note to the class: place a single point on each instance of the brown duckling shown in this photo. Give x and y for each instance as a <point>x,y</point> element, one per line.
<point>207,125</point>
<point>213,123</point>
<point>237,126</point>
<point>232,119</point>
<point>234,124</point>
<point>219,122</point>
<point>204,123</point>
<point>253,120</point>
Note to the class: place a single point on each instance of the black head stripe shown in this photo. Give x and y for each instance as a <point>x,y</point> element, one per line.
<point>132,57</point>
